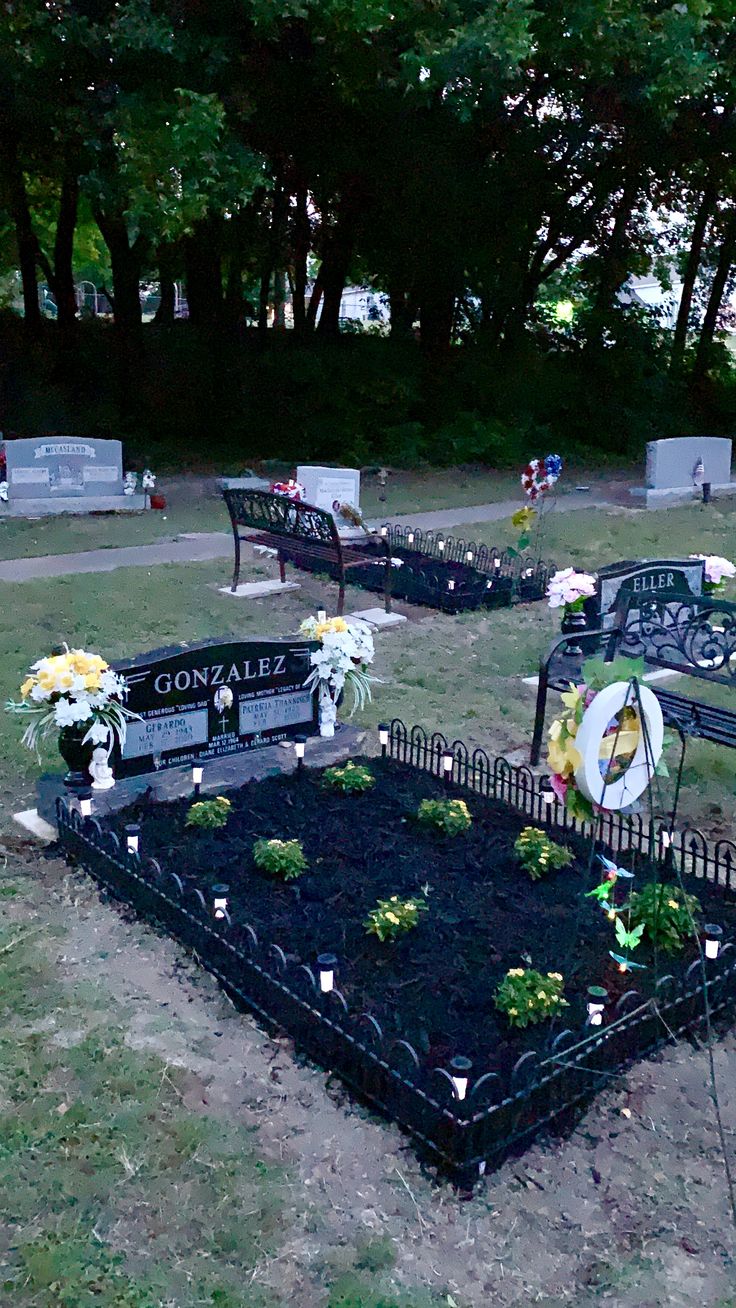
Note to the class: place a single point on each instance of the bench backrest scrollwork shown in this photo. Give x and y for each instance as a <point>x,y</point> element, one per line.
<point>263,511</point>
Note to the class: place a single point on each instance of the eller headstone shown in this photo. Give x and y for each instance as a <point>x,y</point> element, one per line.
<point>66,474</point>
<point>671,467</point>
<point>648,578</point>
<point>328,488</point>
<point>203,702</point>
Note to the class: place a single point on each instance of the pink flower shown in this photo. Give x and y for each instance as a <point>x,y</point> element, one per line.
<point>567,586</point>
<point>716,568</point>
<point>559,786</point>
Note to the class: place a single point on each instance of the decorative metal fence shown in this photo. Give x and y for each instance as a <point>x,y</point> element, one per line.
<point>445,572</point>
<point>459,1129</point>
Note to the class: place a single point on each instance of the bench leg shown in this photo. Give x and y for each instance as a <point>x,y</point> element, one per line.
<point>282,568</point>
<point>387,585</point>
<point>236,573</point>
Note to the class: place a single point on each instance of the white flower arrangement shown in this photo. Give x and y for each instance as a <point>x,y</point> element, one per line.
<point>717,570</point>
<point>4,491</point>
<point>148,479</point>
<point>346,653</point>
<point>570,589</point>
<point>130,483</point>
<point>69,690</point>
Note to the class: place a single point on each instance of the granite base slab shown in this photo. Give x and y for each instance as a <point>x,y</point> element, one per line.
<point>219,774</point>
<point>672,496</point>
<point>41,508</point>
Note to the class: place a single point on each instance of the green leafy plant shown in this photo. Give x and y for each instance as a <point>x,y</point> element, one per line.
<point>280,858</point>
<point>448,815</point>
<point>353,779</point>
<point>597,674</point>
<point>209,813</point>
<point>538,854</point>
<point>394,917</point>
<point>527,996</point>
<point>664,913</point>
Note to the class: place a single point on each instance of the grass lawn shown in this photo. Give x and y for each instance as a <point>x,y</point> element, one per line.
<point>156,1151</point>
<point>195,504</point>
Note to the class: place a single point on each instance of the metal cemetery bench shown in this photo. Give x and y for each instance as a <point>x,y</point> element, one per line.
<point>296,530</point>
<point>693,636</point>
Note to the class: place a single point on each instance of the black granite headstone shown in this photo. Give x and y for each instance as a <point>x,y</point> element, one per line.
<point>649,578</point>
<point>202,702</point>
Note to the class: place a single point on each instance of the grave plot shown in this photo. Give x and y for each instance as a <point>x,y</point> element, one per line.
<point>412,1023</point>
<point>444,572</point>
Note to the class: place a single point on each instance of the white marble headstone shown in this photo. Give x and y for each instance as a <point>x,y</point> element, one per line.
<point>328,488</point>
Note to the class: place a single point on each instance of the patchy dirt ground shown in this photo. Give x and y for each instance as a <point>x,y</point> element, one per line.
<point>631,1210</point>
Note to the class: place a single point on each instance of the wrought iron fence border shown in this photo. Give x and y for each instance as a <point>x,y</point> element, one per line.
<point>460,1138</point>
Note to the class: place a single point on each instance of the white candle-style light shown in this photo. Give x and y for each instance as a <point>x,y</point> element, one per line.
<point>132,837</point>
<point>441,546</point>
<point>468,556</point>
<point>321,615</point>
<point>383,735</point>
<point>410,538</point>
<point>713,939</point>
<point>219,901</point>
<point>326,964</point>
<point>460,1069</point>
<point>85,803</point>
<point>597,999</point>
<point>384,532</point>
<point>450,584</point>
<point>197,774</point>
<point>448,758</point>
<point>300,745</point>
<point>497,564</point>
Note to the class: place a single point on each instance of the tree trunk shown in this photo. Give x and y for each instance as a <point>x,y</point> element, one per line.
<point>167,288</point>
<point>63,280</point>
<point>336,258</point>
<point>707,331</point>
<point>702,217</point>
<point>315,300</point>
<point>203,263</point>
<point>279,300</point>
<point>301,242</point>
<point>402,312</point>
<point>613,266</point>
<point>125,260</point>
<point>25,237</point>
<point>436,315</point>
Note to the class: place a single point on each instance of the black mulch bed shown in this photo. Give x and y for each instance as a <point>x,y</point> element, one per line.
<point>435,985</point>
<point>422,579</point>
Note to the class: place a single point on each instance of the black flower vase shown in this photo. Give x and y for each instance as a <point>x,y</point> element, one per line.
<point>572,625</point>
<point>76,755</point>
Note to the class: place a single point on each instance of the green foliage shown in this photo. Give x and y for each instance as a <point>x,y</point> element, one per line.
<point>450,816</point>
<point>209,814</point>
<point>527,996</point>
<point>597,674</point>
<point>280,858</point>
<point>664,914</point>
<point>352,779</point>
<point>538,854</point>
<point>394,917</point>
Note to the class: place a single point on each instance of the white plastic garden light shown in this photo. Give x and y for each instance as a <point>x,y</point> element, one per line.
<point>713,937</point>
<point>460,1069</point>
<point>132,837</point>
<point>197,774</point>
<point>85,803</point>
<point>597,997</point>
<point>451,584</point>
<point>326,964</point>
<point>219,901</point>
<point>469,556</point>
<point>546,792</point>
<point>300,745</point>
<point>410,538</point>
<point>496,564</point>
<point>448,758</point>
<point>383,734</point>
<point>321,615</point>
<point>441,546</point>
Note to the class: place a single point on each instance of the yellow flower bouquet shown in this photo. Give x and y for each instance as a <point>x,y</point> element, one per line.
<point>73,692</point>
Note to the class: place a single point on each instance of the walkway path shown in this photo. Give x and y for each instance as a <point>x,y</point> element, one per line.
<point>199,547</point>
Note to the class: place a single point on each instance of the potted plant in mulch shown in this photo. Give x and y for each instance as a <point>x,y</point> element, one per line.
<point>78,695</point>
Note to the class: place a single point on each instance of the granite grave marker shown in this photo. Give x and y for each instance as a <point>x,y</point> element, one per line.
<point>202,702</point>
<point>649,578</point>
<point>328,488</point>
<point>55,474</point>
<point>672,463</point>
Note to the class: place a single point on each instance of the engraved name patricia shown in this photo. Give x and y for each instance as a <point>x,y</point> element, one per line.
<point>221,674</point>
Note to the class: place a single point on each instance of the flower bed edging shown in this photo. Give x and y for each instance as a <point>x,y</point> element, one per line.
<point>460,1137</point>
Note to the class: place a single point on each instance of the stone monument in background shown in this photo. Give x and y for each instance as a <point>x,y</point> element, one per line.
<point>678,466</point>
<point>66,474</point>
